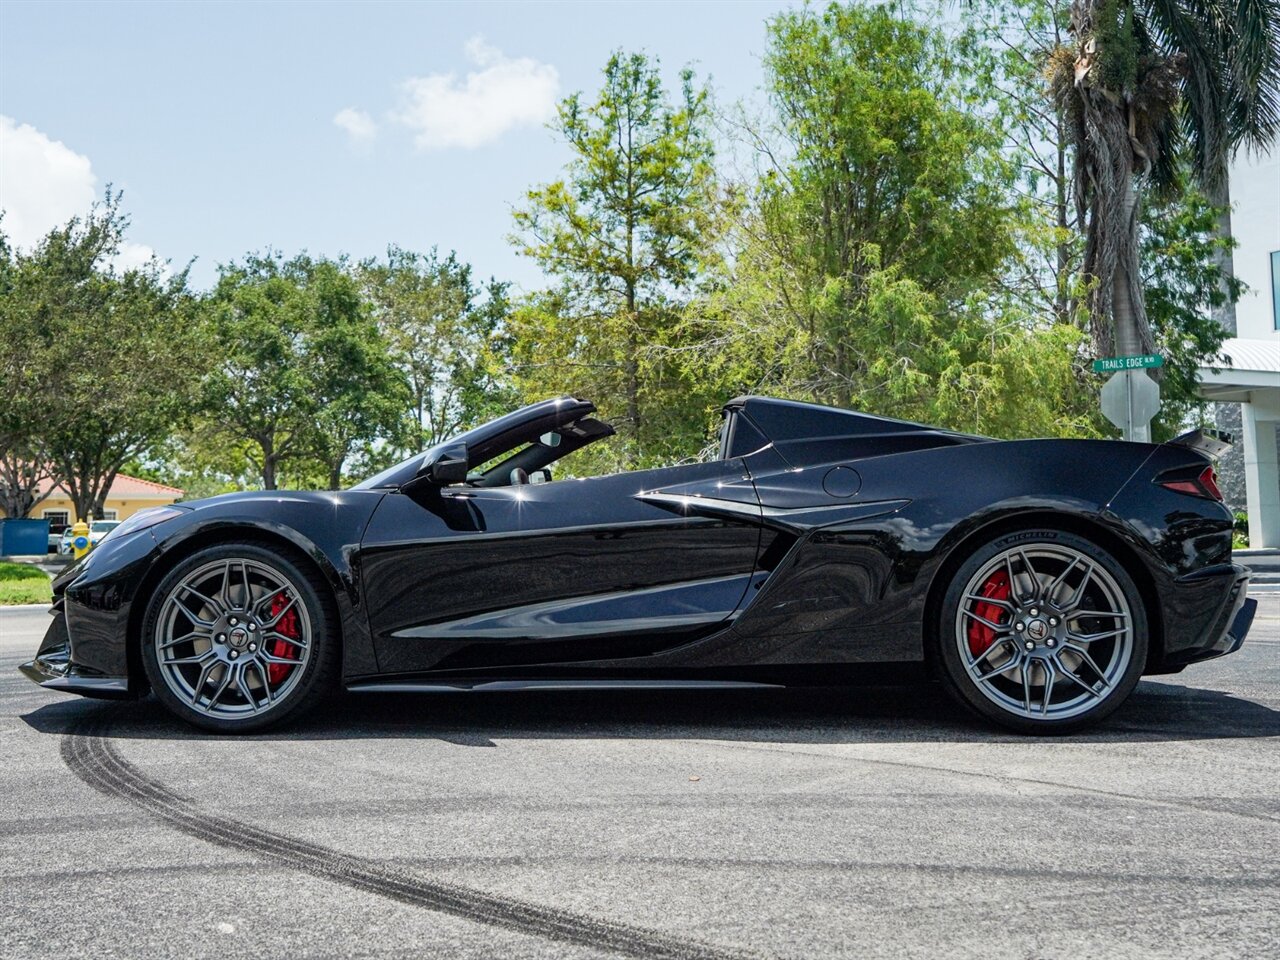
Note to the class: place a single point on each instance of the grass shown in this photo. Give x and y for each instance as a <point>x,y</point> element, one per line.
<point>23,583</point>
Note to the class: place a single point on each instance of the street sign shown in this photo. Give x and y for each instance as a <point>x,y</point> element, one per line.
<point>1141,362</point>
<point>1130,399</point>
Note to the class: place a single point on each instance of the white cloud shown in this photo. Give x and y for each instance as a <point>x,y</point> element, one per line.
<point>133,255</point>
<point>43,183</point>
<point>501,95</point>
<point>358,125</point>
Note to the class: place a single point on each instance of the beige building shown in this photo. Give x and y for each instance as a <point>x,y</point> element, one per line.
<point>126,497</point>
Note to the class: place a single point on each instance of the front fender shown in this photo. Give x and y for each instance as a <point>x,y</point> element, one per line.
<point>106,593</point>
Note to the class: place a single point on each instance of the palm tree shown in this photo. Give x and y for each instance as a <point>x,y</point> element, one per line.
<point>1153,87</point>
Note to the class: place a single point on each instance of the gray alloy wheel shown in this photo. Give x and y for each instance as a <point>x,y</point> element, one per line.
<point>235,638</point>
<point>1043,632</point>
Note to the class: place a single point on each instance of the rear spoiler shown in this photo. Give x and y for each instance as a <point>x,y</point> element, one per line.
<point>1210,443</point>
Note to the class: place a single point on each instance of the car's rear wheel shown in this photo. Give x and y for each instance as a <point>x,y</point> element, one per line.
<point>238,637</point>
<point>1042,631</point>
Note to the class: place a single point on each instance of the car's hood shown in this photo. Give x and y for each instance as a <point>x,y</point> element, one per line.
<point>257,497</point>
<point>331,518</point>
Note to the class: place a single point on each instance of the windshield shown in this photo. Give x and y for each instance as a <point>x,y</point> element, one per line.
<point>501,437</point>
<point>390,476</point>
<point>102,526</point>
<point>403,471</point>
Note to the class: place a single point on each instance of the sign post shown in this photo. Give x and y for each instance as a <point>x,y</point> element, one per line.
<point>1130,398</point>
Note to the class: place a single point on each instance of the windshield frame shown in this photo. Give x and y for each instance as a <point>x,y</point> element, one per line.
<point>503,435</point>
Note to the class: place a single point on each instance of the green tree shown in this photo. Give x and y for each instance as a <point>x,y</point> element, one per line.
<point>1185,283</point>
<point>1180,260</point>
<point>198,461</point>
<point>622,235</point>
<point>1143,78</point>
<point>449,342</point>
<point>23,463</point>
<point>104,350</point>
<point>484,371</point>
<point>359,394</point>
<point>1011,45</point>
<point>869,263</point>
<point>304,376</point>
<point>984,368</point>
<point>259,396</point>
<point>895,186</point>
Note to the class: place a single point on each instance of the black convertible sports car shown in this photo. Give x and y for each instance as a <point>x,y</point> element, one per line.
<point>1038,579</point>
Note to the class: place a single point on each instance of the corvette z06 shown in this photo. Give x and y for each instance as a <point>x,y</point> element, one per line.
<point>1036,579</point>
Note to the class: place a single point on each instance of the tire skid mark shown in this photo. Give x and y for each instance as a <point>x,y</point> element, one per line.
<point>90,756</point>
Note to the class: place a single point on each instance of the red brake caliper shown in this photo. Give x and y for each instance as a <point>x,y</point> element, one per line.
<point>981,637</point>
<point>288,627</point>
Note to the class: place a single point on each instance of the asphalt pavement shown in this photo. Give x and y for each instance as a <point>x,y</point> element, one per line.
<point>874,822</point>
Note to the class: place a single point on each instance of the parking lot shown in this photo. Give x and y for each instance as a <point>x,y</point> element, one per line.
<point>850,823</point>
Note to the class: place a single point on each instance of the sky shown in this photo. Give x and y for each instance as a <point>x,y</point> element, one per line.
<point>327,127</point>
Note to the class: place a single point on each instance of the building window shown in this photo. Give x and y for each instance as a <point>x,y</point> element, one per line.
<point>1275,287</point>
<point>108,515</point>
<point>59,520</point>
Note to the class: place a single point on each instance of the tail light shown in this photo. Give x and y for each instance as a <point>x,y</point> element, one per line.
<point>1203,485</point>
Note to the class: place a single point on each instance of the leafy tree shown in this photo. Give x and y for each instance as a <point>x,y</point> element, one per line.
<point>895,178</point>
<point>1186,282</point>
<point>448,342</point>
<point>869,263</point>
<point>1180,260</point>
<point>198,463</point>
<point>622,235</point>
<point>108,353</point>
<point>305,375</point>
<point>1011,45</point>
<point>1143,78</point>
<point>23,463</point>
<point>359,394</point>
<point>259,397</point>
<point>483,371</point>
<point>983,368</point>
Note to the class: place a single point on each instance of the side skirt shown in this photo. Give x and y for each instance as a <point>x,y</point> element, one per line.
<point>461,686</point>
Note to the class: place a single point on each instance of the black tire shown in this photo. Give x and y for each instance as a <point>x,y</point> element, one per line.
<point>972,654</point>
<point>312,604</point>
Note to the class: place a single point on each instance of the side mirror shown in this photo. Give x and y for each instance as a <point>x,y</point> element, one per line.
<point>445,465</point>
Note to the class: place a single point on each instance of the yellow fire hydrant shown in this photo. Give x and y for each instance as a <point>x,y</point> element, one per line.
<point>80,544</point>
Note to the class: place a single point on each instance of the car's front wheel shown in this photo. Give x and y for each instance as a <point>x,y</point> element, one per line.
<point>238,637</point>
<point>1042,631</point>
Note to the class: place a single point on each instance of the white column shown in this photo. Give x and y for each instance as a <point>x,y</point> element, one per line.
<point>1261,475</point>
